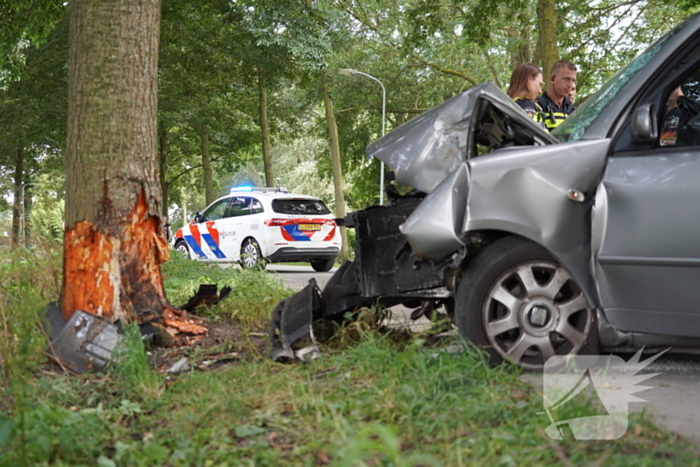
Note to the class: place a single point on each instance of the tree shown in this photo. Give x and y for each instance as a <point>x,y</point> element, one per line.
<point>335,161</point>
<point>114,241</point>
<point>33,51</point>
<point>547,34</point>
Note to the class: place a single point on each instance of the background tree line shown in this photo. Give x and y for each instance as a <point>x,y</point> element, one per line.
<point>249,91</point>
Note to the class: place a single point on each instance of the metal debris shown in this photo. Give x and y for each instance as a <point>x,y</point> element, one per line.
<point>206,295</point>
<point>291,322</point>
<point>221,358</point>
<point>181,366</point>
<point>85,343</point>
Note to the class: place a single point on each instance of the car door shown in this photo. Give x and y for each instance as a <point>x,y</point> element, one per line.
<point>255,223</point>
<point>234,228</point>
<point>646,218</point>
<point>205,236</point>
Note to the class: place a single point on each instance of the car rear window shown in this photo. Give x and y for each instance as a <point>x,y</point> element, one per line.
<point>299,206</point>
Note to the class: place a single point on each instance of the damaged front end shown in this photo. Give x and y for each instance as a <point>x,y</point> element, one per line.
<point>385,271</point>
<point>409,251</point>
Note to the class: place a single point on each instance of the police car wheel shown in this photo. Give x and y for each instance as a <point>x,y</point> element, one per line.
<point>520,305</point>
<point>251,257</point>
<point>182,248</point>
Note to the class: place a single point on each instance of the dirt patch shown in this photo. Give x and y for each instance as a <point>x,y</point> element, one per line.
<point>224,344</point>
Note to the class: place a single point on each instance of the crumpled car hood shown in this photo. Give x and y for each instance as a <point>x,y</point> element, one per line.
<point>425,150</point>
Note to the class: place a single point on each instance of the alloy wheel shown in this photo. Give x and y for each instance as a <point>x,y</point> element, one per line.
<point>249,256</point>
<point>535,311</point>
<point>183,250</point>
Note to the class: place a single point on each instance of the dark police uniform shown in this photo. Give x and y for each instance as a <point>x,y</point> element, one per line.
<point>552,114</point>
<point>531,108</point>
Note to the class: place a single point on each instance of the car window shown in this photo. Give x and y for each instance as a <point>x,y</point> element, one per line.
<point>240,206</point>
<point>215,211</point>
<point>575,126</point>
<point>680,123</point>
<point>255,206</point>
<point>299,206</point>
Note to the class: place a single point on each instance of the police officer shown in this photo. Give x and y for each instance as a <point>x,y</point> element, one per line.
<point>555,103</point>
<point>525,84</point>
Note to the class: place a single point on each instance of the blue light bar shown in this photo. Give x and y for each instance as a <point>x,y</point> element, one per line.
<point>242,188</point>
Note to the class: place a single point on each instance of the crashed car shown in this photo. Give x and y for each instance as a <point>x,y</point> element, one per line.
<point>582,240</point>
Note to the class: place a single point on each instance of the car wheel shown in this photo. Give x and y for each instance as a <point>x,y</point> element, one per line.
<point>322,265</point>
<point>251,257</point>
<point>520,305</point>
<point>182,248</point>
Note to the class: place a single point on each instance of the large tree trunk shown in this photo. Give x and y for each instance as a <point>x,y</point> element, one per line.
<point>17,203</point>
<point>114,242</point>
<point>337,170</point>
<point>206,165</point>
<point>547,30</point>
<point>265,131</point>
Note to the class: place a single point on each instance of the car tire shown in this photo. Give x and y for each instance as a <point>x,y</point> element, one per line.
<point>322,265</point>
<point>182,248</point>
<point>251,257</point>
<point>516,302</point>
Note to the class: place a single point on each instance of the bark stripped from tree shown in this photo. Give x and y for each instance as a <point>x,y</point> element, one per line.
<point>114,239</point>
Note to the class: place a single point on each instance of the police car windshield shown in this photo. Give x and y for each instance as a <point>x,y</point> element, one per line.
<point>575,126</point>
<point>299,206</point>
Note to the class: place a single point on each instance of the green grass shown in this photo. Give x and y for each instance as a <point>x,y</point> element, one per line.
<point>254,293</point>
<point>372,399</point>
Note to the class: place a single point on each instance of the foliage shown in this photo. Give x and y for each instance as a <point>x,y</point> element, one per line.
<point>253,296</point>
<point>25,23</point>
<point>132,370</point>
<point>29,280</point>
<point>379,403</point>
<point>372,399</point>
<point>214,55</point>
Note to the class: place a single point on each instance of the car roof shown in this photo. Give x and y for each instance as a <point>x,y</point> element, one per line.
<point>270,193</point>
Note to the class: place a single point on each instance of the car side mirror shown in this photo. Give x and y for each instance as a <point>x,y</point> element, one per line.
<point>644,127</point>
<point>198,217</point>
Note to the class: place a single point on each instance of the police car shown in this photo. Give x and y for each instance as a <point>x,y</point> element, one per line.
<point>258,225</point>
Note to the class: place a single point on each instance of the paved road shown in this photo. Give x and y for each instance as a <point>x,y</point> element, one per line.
<point>673,397</point>
<point>296,277</point>
<point>674,393</point>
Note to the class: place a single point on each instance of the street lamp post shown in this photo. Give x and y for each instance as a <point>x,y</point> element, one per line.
<point>351,72</point>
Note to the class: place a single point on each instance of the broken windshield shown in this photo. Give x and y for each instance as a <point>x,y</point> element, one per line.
<point>575,126</point>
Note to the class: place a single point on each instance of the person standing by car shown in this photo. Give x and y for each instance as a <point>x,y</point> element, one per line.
<point>555,103</point>
<point>525,85</point>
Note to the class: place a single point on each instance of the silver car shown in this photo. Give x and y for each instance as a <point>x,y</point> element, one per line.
<point>567,243</point>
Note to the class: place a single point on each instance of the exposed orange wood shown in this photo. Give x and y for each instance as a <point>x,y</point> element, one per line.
<point>120,277</point>
<point>182,324</point>
<point>88,260</point>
